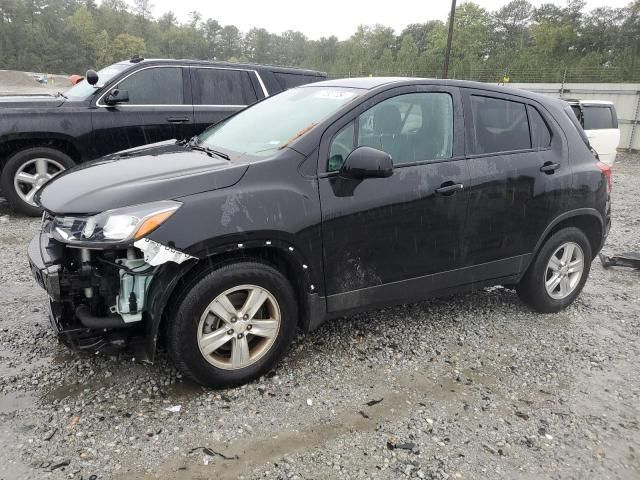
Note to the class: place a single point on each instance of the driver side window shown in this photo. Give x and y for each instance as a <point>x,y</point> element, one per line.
<point>154,86</point>
<point>412,127</point>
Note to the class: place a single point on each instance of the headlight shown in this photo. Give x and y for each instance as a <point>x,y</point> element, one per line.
<point>114,226</point>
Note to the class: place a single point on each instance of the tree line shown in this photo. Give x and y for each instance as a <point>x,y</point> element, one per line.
<point>518,42</point>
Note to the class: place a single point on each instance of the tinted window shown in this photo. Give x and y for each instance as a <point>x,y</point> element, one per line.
<point>577,111</point>
<point>290,80</point>
<point>597,118</point>
<point>410,128</point>
<point>540,133</point>
<point>224,87</point>
<point>154,86</point>
<point>500,125</point>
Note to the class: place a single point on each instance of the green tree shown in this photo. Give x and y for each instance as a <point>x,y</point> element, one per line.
<point>408,55</point>
<point>126,46</point>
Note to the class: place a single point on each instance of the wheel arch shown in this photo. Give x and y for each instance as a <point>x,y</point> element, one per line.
<point>174,281</point>
<point>10,144</point>
<point>588,220</point>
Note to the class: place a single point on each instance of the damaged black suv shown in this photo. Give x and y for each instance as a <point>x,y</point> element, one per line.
<point>319,201</point>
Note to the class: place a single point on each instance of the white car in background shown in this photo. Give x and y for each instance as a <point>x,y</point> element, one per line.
<point>600,123</point>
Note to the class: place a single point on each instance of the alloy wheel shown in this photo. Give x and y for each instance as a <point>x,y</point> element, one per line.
<point>564,270</point>
<point>32,175</point>
<point>239,327</point>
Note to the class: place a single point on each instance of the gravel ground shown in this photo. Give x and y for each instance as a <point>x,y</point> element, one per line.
<point>471,386</point>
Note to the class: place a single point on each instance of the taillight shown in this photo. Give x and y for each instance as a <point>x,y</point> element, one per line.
<point>606,172</point>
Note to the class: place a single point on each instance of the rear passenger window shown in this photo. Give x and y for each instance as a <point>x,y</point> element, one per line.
<point>540,133</point>
<point>224,87</point>
<point>500,125</point>
<point>597,118</point>
<point>154,86</point>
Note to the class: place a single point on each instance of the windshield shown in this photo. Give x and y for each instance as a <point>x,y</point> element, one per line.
<point>84,89</point>
<point>273,123</point>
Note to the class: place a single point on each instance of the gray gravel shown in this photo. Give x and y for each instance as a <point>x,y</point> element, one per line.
<point>471,386</point>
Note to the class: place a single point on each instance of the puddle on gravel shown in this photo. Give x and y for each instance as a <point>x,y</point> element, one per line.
<point>244,455</point>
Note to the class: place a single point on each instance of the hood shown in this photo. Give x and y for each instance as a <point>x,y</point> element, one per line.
<point>161,171</point>
<point>30,101</point>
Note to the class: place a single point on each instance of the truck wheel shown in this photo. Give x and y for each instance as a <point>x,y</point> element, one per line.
<point>26,172</point>
<point>233,324</point>
<point>558,273</point>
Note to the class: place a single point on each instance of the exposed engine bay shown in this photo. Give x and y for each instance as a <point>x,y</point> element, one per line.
<point>98,296</point>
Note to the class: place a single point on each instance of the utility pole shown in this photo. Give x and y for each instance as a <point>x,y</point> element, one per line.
<point>447,53</point>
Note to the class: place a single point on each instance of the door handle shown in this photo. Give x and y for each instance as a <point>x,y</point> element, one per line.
<point>178,119</point>
<point>549,167</point>
<point>449,188</point>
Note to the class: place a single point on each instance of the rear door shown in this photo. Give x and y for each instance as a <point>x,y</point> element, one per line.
<point>159,108</point>
<point>387,239</point>
<point>219,92</point>
<point>520,180</point>
<point>601,126</point>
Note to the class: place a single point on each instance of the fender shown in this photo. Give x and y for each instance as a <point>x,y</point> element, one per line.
<point>27,137</point>
<point>560,218</point>
<point>312,306</point>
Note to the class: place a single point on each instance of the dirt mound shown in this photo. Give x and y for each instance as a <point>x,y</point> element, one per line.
<point>14,82</point>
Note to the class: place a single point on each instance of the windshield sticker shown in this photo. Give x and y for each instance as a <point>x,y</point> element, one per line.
<point>334,94</point>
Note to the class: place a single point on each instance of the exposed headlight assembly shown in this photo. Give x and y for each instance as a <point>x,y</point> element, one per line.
<point>120,225</point>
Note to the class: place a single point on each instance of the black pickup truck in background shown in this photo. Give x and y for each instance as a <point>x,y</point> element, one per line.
<point>125,105</point>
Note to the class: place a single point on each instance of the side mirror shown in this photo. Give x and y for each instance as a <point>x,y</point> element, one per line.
<point>367,162</point>
<point>116,96</point>
<point>91,77</point>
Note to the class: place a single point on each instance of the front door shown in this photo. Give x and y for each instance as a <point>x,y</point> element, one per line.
<point>159,108</point>
<point>389,239</point>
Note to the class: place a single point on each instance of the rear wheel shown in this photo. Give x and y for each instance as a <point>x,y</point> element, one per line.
<point>233,325</point>
<point>27,171</point>
<point>558,273</point>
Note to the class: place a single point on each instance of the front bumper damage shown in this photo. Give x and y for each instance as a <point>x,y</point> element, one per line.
<point>102,299</point>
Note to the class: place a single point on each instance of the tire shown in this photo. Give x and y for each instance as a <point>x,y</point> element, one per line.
<point>533,289</point>
<point>25,161</point>
<point>188,325</point>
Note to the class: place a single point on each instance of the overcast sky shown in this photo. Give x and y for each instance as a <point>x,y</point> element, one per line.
<point>328,17</point>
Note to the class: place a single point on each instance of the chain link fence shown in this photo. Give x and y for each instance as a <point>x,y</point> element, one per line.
<point>528,75</point>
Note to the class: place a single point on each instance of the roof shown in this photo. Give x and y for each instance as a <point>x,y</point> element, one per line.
<point>255,66</point>
<point>371,83</point>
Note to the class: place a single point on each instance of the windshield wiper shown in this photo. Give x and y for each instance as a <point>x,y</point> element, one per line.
<point>60,94</point>
<point>210,151</point>
<point>194,144</point>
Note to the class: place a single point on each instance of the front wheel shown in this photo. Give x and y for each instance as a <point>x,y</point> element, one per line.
<point>233,325</point>
<point>27,171</point>
<point>558,273</point>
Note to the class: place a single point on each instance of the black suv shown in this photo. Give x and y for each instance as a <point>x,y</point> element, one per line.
<point>325,199</point>
<point>122,106</point>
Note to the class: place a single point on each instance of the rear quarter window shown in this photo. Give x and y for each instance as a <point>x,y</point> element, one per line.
<point>540,132</point>
<point>598,118</point>
<point>291,80</point>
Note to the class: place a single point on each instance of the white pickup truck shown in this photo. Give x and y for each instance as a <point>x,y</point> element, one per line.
<point>600,123</point>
